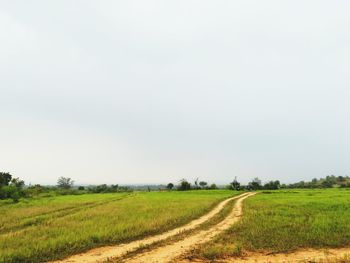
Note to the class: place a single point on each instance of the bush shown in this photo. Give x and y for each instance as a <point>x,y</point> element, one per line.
<point>10,187</point>
<point>103,188</point>
<point>10,191</point>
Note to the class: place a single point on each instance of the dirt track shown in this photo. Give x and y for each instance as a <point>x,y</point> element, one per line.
<point>104,253</point>
<point>169,252</point>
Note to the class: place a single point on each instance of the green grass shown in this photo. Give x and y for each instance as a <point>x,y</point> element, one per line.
<point>42,229</point>
<point>281,221</point>
<point>181,235</point>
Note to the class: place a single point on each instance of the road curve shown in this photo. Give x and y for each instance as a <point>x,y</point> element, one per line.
<point>169,252</point>
<point>102,254</point>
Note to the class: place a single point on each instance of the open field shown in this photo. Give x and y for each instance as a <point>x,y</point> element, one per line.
<point>47,228</point>
<point>285,221</point>
<point>271,226</point>
<point>170,252</point>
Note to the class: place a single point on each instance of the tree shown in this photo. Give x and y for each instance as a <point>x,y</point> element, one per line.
<point>5,178</point>
<point>235,185</point>
<point>65,182</point>
<point>10,187</point>
<point>327,183</point>
<point>196,183</point>
<point>255,184</point>
<point>203,184</point>
<point>213,186</point>
<point>272,185</point>
<point>184,185</point>
<point>170,186</point>
<point>17,183</point>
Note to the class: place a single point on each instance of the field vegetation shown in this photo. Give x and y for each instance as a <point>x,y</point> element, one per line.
<point>45,228</point>
<point>286,220</point>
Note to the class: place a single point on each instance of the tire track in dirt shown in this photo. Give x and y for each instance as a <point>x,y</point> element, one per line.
<point>103,254</point>
<point>168,253</point>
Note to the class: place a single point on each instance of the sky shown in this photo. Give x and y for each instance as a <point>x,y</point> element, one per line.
<point>148,92</point>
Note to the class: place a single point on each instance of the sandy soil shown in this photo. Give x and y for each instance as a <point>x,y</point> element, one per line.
<point>305,255</point>
<point>104,253</point>
<point>169,253</point>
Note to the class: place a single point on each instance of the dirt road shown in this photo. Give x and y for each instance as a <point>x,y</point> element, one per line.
<point>169,252</point>
<point>105,253</point>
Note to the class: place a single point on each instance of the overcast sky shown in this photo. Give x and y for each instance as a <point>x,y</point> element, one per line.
<point>155,91</point>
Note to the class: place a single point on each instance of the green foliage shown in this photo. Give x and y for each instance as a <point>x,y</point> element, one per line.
<point>5,179</point>
<point>10,188</point>
<point>65,182</point>
<point>329,181</point>
<point>170,186</point>
<point>272,185</point>
<point>213,186</point>
<point>104,188</point>
<point>184,185</point>
<point>255,184</point>
<point>203,184</point>
<point>235,185</point>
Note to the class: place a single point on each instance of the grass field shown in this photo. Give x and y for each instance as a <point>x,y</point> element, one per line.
<point>47,228</point>
<point>281,221</point>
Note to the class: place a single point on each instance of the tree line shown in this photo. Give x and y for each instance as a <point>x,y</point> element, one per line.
<point>330,181</point>
<point>15,188</point>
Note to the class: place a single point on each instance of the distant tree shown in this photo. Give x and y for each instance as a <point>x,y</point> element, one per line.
<point>255,184</point>
<point>184,185</point>
<point>114,187</point>
<point>35,189</point>
<point>65,182</point>
<point>235,185</point>
<point>170,186</point>
<point>327,183</point>
<point>341,178</point>
<point>81,188</point>
<point>213,186</point>
<point>272,185</point>
<point>203,184</point>
<point>102,188</point>
<point>5,178</point>
<point>196,184</point>
<point>17,183</point>
<point>10,187</point>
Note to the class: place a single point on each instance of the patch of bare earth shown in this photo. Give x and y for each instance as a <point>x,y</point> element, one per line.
<point>304,255</point>
<point>103,254</point>
<point>336,255</point>
<point>171,252</point>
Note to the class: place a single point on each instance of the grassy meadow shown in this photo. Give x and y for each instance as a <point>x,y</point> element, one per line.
<point>35,230</point>
<point>286,220</point>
